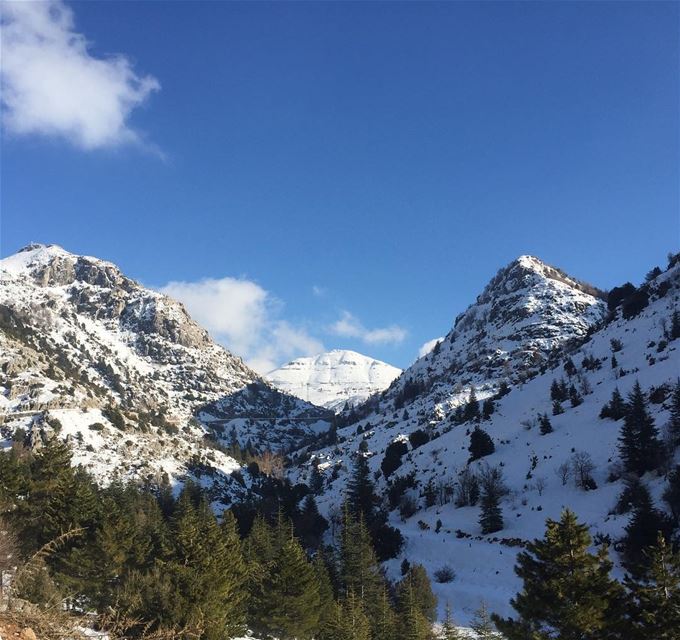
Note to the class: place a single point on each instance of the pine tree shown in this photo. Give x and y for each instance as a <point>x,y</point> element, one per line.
<point>347,621</point>
<point>675,325</point>
<point>655,596</point>
<point>384,626</point>
<point>211,570</point>
<point>449,630</point>
<point>638,442</point>
<point>545,425</point>
<point>574,396</point>
<point>472,406</point>
<point>568,592</point>
<point>311,524</point>
<point>483,625</point>
<point>642,531</point>
<point>557,408</point>
<point>672,494</point>
<point>260,552</point>
<point>361,497</point>
<point>316,483</point>
<point>487,408</point>
<point>674,422</point>
<point>419,583</point>
<point>491,517</point>
<point>481,444</point>
<point>412,623</point>
<point>294,595</point>
<point>359,569</point>
<point>617,405</point>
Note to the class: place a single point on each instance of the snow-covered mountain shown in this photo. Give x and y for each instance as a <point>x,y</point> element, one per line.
<point>125,375</point>
<point>334,379</point>
<point>531,325</point>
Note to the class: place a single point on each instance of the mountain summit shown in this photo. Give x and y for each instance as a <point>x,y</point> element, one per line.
<point>125,375</point>
<point>334,379</point>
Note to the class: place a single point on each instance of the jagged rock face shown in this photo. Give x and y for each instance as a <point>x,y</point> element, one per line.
<point>527,312</point>
<point>76,333</point>
<point>334,379</point>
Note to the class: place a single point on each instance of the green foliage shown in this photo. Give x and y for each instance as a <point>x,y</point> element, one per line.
<point>654,605</point>
<point>481,444</point>
<point>567,591</point>
<point>491,517</point>
<point>639,445</point>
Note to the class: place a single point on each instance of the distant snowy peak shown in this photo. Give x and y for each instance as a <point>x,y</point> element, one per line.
<point>334,378</point>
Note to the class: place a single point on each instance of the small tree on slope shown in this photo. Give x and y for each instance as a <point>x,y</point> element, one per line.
<point>568,592</point>
<point>639,445</point>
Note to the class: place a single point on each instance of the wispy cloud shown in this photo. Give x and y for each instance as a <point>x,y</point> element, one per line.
<point>245,318</point>
<point>318,291</point>
<point>428,346</point>
<point>349,326</point>
<point>52,85</point>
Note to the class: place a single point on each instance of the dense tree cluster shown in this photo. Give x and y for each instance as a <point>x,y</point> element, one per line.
<point>168,562</point>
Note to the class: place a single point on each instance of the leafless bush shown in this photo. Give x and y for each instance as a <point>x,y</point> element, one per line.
<point>467,489</point>
<point>563,472</point>
<point>540,484</point>
<point>582,468</point>
<point>444,574</point>
<point>492,481</point>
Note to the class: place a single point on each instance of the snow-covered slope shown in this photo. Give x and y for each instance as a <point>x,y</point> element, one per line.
<point>125,375</point>
<point>334,379</point>
<point>522,331</point>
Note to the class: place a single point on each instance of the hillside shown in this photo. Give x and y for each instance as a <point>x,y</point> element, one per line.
<point>532,325</point>
<point>122,372</point>
<point>335,379</point>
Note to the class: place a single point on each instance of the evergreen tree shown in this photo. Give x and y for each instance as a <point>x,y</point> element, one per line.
<point>361,497</point>
<point>655,596</point>
<point>557,408</point>
<point>674,422</point>
<point>347,621</point>
<point>568,592</point>
<point>294,595</point>
<point>545,425</point>
<point>418,582</point>
<point>642,532</point>
<point>384,626</point>
<point>359,569</point>
<point>449,629</point>
<point>675,325</point>
<point>491,517</point>
<point>412,622</point>
<point>574,396</point>
<point>483,625</point>
<point>472,406</point>
<point>672,494</point>
<point>316,483</point>
<point>211,570</point>
<point>638,442</point>
<point>487,408</point>
<point>311,524</point>
<point>481,444</point>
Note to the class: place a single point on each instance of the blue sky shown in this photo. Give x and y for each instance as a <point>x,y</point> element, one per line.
<point>344,174</point>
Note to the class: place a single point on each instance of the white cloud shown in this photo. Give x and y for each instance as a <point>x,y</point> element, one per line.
<point>349,326</point>
<point>318,291</point>
<point>52,85</point>
<point>243,316</point>
<point>428,346</point>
